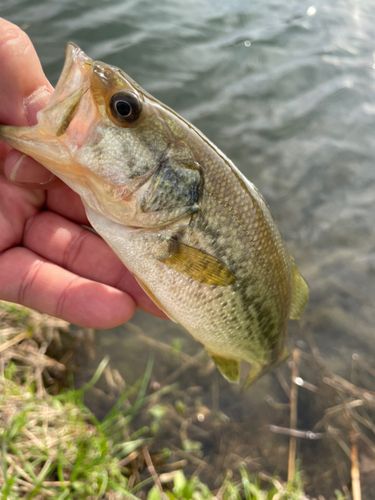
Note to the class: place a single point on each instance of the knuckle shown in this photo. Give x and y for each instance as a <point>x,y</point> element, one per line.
<point>37,229</point>
<point>28,227</point>
<point>75,248</point>
<point>27,284</point>
<point>61,304</point>
<point>14,40</point>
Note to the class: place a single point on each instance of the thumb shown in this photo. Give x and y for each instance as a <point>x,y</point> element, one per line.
<point>24,90</point>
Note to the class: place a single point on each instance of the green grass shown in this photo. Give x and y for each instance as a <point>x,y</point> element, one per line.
<point>54,447</point>
<point>246,488</point>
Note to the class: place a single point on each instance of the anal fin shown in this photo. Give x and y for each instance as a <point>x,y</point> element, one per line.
<point>255,371</point>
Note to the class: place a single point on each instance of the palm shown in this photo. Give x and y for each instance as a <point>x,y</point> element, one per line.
<point>48,259</point>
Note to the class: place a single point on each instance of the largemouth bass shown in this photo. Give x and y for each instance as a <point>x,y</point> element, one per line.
<point>196,234</point>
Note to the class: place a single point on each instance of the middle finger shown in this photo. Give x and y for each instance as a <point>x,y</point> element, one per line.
<point>82,252</point>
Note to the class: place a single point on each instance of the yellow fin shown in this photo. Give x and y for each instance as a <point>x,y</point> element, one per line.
<point>255,372</point>
<point>300,294</point>
<point>229,368</point>
<point>199,265</point>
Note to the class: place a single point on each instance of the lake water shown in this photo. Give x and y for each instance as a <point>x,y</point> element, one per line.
<point>287,91</point>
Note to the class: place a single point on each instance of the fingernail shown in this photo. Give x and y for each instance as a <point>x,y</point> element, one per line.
<point>35,102</point>
<point>23,169</point>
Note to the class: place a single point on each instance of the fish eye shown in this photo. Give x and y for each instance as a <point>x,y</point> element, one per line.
<point>125,107</point>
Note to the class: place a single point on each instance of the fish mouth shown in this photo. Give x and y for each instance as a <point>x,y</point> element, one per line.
<point>76,67</point>
<point>49,142</point>
<point>73,83</point>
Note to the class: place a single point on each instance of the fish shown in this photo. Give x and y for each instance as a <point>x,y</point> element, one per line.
<point>193,230</point>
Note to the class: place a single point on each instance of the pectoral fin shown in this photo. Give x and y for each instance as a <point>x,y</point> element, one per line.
<point>300,294</point>
<point>198,265</point>
<point>229,368</point>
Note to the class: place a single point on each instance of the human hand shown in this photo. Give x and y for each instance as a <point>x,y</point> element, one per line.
<point>48,261</point>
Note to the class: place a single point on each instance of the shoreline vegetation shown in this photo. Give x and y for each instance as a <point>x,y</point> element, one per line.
<point>149,443</point>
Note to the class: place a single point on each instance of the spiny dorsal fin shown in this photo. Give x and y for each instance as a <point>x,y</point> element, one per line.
<point>300,293</point>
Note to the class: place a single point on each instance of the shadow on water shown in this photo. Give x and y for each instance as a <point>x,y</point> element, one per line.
<point>286,89</point>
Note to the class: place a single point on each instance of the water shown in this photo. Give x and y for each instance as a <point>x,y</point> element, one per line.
<point>286,90</point>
